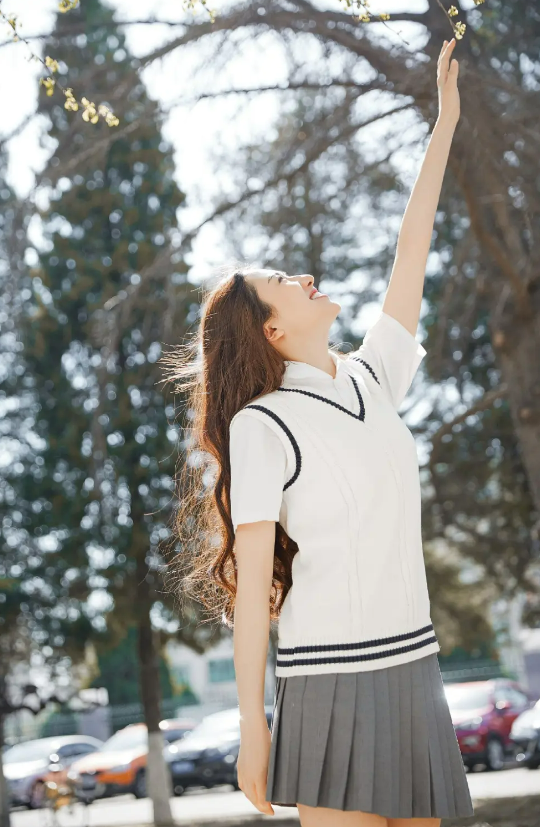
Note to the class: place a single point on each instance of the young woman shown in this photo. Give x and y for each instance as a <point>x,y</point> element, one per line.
<point>310,514</point>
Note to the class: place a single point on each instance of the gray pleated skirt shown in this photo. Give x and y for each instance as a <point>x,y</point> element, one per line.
<point>380,742</point>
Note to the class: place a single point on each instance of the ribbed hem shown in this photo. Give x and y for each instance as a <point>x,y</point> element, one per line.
<point>311,658</point>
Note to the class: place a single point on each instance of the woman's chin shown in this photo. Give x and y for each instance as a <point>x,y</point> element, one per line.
<point>335,305</point>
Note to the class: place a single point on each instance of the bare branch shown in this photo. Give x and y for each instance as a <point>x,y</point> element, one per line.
<point>487,238</point>
<point>18,129</point>
<point>294,86</point>
<point>483,404</point>
<point>166,255</point>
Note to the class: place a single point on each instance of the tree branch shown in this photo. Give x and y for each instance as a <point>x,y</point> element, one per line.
<point>483,404</point>
<point>488,239</point>
<point>114,304</point>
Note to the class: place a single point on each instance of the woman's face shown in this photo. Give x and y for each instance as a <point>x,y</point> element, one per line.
<point>299,310</point>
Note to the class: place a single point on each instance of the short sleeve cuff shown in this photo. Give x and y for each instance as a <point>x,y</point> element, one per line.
<point>404,339</point>
<point>394,354</point>
<point>258,469</point>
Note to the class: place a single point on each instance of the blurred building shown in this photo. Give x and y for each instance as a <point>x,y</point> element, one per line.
<point>530,645</point>
<point>211,676</point>
<point>519,647</point>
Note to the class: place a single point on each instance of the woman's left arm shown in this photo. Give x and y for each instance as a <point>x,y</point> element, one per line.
<point>404,294</point>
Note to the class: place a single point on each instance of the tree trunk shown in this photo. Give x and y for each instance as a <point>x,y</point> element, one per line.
<point>519,357</point>
<point>4,796</point>
<point>514,309</point>
<point>158,780</point>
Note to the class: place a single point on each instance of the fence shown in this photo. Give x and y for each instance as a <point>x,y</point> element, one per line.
<point>23,726</point>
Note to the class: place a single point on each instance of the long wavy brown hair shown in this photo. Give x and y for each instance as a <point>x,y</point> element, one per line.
<point>227,363</point>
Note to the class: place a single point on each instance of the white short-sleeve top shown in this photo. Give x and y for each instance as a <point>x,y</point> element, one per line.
<point>331,460</point>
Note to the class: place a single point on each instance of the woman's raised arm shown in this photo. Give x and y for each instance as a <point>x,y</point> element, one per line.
<point>404,294</point>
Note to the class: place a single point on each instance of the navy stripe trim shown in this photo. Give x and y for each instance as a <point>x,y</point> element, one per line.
<point>358,359</point>
<point>360,416</point>
<point>388,653</point>
<point>363,644</point>
<point>296,449</point>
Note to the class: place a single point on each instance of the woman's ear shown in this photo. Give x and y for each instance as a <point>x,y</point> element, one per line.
<point>272,333</point>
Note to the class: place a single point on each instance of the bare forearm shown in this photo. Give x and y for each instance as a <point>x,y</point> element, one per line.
<point>416,230</point>
<point>251,632</point>
<point>404,294</point>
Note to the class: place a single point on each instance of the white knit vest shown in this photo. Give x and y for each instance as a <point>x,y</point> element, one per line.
<point>359,599</point>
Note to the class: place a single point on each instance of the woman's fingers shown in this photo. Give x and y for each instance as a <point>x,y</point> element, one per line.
<point>448,53</point>
<point>443,47</point>
<point>443,64</point>
<point>262,805</point>
<point>256,793</point>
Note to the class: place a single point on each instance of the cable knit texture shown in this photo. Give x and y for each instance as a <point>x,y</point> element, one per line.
<point>331,459</point>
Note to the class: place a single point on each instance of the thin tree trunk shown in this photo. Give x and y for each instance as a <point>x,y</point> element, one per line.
<point>4,796</point>
<point>519,358</point>
<point>159,786</point>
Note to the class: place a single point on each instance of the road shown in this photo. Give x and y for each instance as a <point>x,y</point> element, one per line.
<point>223,801</point>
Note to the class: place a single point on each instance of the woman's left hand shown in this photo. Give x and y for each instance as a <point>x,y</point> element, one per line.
<point>447,75</point>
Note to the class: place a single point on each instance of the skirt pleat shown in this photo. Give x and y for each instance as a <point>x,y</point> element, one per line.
<point>334,772</point>
<point>405,754</point>
<point>380,741</point>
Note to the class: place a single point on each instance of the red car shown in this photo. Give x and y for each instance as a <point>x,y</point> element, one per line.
<point>482,714</point>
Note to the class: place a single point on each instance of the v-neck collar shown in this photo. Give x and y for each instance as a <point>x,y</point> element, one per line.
<point>303,370</point>
<point>361,415</point>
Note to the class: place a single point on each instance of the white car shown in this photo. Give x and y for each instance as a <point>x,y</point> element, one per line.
<point>26,764</point>
<point>525,735</point>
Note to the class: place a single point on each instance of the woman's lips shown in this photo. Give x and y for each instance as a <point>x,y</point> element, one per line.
<point>316,294</point>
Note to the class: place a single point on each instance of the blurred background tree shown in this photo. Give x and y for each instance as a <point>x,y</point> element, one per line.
<point>97,485</point>
<point>118,671</point>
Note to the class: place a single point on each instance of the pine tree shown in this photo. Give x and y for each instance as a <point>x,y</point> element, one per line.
<point>118,670</point>
<point>108,457</point>
<point>41,614</point>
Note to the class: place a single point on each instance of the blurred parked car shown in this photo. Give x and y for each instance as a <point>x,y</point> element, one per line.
<point>27,765</point>
<point>207,756</point>
<point>525,735</point>
<point>483,713</point>
<point>120,765</point>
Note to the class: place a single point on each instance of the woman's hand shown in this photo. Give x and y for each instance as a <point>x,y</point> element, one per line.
<point>252,764</point>
<point>447,75</point>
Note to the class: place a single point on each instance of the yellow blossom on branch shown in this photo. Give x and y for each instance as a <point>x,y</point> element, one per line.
<point>452,11</point>
<point>364,13</point>
<point>12,22</point>
<point>109,116</point>
<point>48,83</point>
<point>90,111</point>
<point>478,2</point>
<point>70,104</point>
<point>51,64</point>
<point>459,29</point>
<point>67,5</point>
<point>188,5</point>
